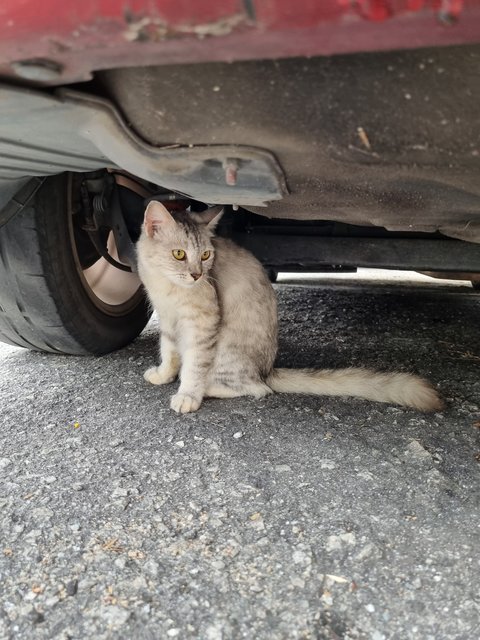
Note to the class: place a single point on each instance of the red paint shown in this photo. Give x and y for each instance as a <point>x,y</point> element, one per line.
<point>61,17</point>
<point>281,14</point>
<point>450,7</point>
<point>375,10</point>
<point>415,5</point>
<point>98,34</point>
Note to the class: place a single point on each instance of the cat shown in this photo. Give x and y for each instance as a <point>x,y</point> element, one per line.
<point>218,322</point>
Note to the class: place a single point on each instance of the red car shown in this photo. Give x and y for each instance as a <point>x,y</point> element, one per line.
<point>339,134</point>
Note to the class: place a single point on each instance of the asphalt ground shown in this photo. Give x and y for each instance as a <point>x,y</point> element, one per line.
<point>289,517</point>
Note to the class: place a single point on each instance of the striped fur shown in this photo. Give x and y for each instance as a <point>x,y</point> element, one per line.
<point>219,331</point>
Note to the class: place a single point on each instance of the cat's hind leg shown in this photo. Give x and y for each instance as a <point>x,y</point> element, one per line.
<point>222,391</point>
<point>170,363</point>
<point>257,390</point>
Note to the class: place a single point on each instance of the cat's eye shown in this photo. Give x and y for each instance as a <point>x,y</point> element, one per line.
<point>179,254</point>
<point>205,255</point>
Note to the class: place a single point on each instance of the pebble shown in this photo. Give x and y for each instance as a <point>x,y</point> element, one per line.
<point>237,435</point>
<point>180,444</point>
<point>366,552</point>
<point>300,557</point>
<point>297,582</point>
<point>5,462</point>
<point>327,464</point>
<point>151,568</point>
<point>120,562</point>
<point>337,542</point>
<point>71,587</point>
<point>114,616</point>
<point>418,451</point>
<point>256,521</point>
<point>214,632</point>
<point>119,492</point>
<point>41,513</point>
<point>370,608</point>
<point>173,633</point>
<point>417,583</point>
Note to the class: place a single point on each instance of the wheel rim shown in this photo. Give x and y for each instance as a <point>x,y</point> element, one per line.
<point>112,287</point>
<point>113,291</point>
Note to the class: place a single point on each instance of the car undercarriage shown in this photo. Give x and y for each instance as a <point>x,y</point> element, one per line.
<point>368,157</point>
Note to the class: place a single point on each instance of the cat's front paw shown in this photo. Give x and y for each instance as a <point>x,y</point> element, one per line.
<point>183,403</point>
<point>155,375</point>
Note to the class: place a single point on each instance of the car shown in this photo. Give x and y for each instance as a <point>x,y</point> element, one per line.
<point>337,135</point>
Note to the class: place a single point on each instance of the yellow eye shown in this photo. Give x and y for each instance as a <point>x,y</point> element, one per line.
<point>205,255</point>
<point>178,254</point>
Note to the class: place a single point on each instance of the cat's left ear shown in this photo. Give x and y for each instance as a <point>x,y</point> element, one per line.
<point>210,217</point>
<point>157,217</point>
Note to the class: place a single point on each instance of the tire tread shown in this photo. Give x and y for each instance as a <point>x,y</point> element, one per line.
<point>16,324</point>
<point>37,310</point>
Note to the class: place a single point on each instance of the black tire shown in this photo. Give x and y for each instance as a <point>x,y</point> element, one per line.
<point>46,303</point>
<point>476,284</point>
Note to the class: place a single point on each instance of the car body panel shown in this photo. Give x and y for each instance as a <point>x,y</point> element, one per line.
<point>61,42</point>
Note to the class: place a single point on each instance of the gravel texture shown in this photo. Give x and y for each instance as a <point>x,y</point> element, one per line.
<point>290,517</point>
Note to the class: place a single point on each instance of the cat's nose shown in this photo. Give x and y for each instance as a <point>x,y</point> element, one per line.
<point>196,276</point>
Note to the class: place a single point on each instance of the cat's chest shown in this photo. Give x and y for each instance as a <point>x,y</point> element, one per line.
<point>167,305</point>
<point>176,308</point>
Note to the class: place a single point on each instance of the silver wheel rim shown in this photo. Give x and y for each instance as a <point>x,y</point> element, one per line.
<point>112,287</point>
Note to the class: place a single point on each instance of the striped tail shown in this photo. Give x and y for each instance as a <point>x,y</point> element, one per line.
<point>396,388</point>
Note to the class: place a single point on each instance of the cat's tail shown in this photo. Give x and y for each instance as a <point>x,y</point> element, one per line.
<point>398,388</point>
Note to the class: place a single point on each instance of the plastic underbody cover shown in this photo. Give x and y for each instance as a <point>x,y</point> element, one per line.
<point>42,134</point>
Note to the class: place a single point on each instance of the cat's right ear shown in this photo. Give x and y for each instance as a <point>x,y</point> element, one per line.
<point>211,217</point>
<point>157,218</point>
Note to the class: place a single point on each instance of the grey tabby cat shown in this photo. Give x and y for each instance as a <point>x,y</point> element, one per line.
<point>218,321</point>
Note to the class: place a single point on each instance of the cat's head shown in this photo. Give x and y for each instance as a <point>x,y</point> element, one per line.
<point>180,245</point>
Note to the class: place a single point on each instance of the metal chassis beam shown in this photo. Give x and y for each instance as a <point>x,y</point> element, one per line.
<point>390,253</point>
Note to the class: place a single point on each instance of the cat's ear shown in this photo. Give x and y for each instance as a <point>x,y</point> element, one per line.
<point>157,217</point>
<point>210,217</point>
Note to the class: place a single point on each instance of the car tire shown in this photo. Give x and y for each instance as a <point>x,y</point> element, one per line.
<point>49,300</point>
